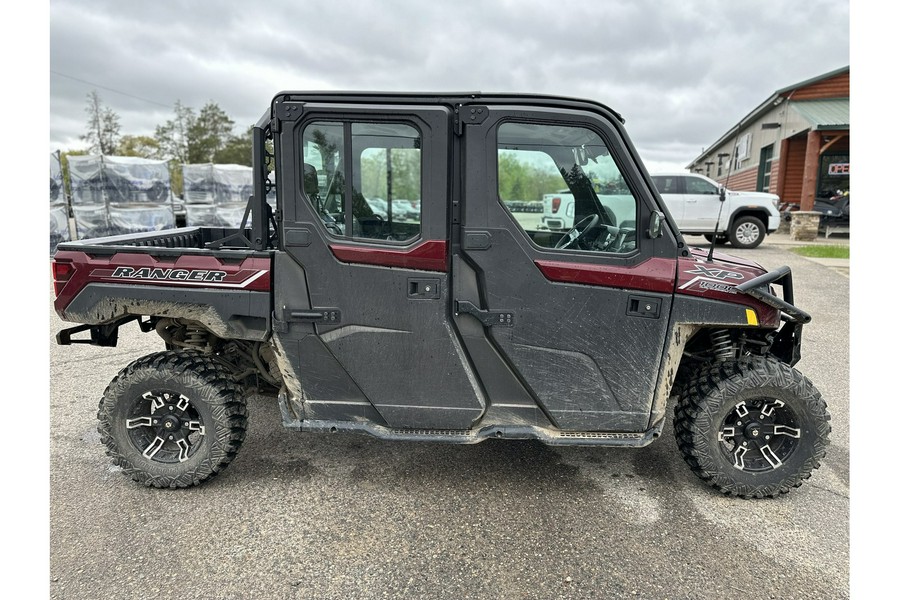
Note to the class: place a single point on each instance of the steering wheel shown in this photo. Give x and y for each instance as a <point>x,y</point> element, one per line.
<point>577,232</point>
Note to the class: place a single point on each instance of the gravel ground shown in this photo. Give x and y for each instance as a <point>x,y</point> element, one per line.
<point>346,516</point>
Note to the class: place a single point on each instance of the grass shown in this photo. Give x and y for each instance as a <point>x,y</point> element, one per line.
<point>831,251</point>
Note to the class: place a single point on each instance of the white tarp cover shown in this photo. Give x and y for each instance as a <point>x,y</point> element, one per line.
<point>233,184</point>
<point>200,215</point>
<point>198,184</point>
<point>233,187</point>
<point>114,195</point>
<point>59,215</point>
<point>216,195</point>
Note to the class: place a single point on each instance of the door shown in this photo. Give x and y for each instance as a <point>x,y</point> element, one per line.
<point>362,287</point>
<point>701,204</point>
<point>579,318</point>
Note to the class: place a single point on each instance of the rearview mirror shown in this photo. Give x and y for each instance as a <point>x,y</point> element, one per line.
<point>721,193</point>
<point>655,230</point>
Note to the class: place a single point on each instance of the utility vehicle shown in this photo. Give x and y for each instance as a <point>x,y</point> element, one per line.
<point>460,322</point>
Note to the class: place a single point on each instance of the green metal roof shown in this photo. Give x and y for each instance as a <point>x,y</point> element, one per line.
<point>832,113</point>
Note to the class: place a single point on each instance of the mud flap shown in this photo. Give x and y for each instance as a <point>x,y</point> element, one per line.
<point>786,345</point>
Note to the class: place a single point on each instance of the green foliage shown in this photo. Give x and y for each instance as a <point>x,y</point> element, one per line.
<point>174,135</point>
<point>525,180</point>
<point>823,251</point>
<point>209,133</point>
<point>143,146</point>
<point>238,150</point>
<point>404,174</point>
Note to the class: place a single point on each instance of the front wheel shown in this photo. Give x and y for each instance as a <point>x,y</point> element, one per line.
<point>746,232</point>
<point>172,419</point>
<point>754,428</point>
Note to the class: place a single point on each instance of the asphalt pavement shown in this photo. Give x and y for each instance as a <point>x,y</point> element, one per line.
<point>347,516</point>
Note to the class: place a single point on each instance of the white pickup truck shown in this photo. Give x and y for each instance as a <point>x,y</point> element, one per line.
<point>694,202</point>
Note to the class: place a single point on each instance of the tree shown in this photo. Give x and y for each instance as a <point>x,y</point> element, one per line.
<point>209,134</point>
<point>174,137</point>
<point>143,146</point>
<point>238,150</point>
<point>102,133</point>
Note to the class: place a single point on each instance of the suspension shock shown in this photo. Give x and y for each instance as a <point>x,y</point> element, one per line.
<point>722,347</point>
<point>196,337</point>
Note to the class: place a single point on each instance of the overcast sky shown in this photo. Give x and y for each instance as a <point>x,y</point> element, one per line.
<point>681,72</point>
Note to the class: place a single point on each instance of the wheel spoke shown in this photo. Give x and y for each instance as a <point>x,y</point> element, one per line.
<point>182,404</point>
<point>770,456</point>
<point>183,448</point>
<point>741,409</point>
<point>195,426</point>
<point>155,401</point>
<point>727,432</point>
<point>785,430</point>
<point>139,422</point>
<point>739,453</point>
<point>154,447</point>
<point>768,409</point>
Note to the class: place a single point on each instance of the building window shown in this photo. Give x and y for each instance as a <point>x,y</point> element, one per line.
<point>765,168</point>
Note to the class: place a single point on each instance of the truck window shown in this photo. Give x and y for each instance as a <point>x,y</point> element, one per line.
<point>695,185</point>
<point>385,172</point>
<point>666,184</point>
<point>570,174</point>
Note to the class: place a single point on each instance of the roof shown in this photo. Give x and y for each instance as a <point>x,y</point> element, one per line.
<point>832,113</point>
<point>803,84</point>
<point>769,102</point>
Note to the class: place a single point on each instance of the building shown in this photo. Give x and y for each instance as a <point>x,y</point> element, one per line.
<point>795,144</point>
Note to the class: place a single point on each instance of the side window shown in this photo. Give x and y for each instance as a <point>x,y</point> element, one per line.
<point>695,185</point>
<point>383,179</point>
<point>666,184</point>
<point>323,172</point>
<point>564,189</point>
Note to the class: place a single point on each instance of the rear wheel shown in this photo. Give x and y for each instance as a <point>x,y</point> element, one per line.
<point>754,428</point>
<point>172,419</point>
<point>746,232</point>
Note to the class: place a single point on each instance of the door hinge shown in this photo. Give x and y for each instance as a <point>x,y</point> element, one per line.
<point>469,114</point>
<point>489,318</point>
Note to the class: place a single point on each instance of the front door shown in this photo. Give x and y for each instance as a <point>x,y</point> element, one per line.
<point>579,317</point>
<point>362,289</point>
<point>701,205</point>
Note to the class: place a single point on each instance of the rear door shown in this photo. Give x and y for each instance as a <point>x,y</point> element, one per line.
<point>362,289</point>
<point>578,319</point>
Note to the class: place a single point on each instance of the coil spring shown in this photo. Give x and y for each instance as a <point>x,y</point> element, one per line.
<point>195,337</point>
<point>722,347</point>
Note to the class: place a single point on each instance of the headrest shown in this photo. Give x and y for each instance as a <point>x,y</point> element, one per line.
<point>310,180</point>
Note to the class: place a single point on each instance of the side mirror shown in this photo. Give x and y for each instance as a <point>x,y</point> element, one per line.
<point>655,230</point>
<point>722,193</point>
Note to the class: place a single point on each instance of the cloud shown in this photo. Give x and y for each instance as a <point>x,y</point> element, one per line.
<point>681,73</point>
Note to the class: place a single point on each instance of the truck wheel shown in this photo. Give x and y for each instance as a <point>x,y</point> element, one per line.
<point>753,428</point>
<point>172,419</point>
<point>746,232</point>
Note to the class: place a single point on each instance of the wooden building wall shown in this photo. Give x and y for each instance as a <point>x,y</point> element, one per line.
<point>792,169</point>
<point>835,87</point>
<point>743,181</point>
